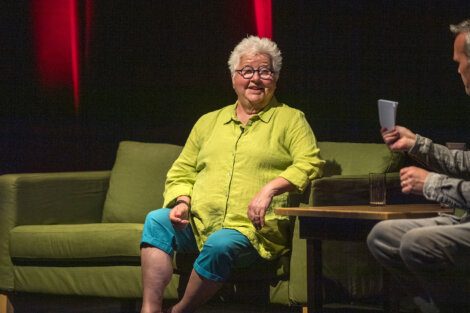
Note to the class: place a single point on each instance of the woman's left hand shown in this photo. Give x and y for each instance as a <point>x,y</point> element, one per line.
<point>262,200</point>
<point>258,206</point>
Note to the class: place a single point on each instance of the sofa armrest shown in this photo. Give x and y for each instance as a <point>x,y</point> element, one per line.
<point>354,190</point>
<point>47,198</point>
<point>340,190</point>
<point>53,198</point>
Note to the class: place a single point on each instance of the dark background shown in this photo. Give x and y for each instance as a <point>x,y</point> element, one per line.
<point>153,67</point>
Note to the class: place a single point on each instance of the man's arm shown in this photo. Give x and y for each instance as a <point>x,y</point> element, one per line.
<point>447,183</point>
<point>440,159</point>
<point>454,192</point>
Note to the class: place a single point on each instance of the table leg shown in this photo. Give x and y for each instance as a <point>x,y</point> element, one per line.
<point>314,276</point>
<point>391,303</point>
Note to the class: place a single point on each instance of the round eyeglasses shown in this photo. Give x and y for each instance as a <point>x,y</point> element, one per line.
<point>247,72</point>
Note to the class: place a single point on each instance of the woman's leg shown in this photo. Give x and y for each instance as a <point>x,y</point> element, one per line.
<point>198,291</point>
<point>159,239</point>
<point>157,270</point>
<point>223,250</point>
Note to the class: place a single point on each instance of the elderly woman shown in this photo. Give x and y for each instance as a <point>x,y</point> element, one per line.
<point>238,163</point>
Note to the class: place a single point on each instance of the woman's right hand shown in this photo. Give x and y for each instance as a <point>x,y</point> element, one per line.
<point>179,216</point>
<point>399,138</point>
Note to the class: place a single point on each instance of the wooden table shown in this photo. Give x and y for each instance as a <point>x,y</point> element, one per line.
<point>346,223</point>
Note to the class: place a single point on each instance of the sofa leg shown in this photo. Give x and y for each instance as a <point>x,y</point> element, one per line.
<point>5,305</point>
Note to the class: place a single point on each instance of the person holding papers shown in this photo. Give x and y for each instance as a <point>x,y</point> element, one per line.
<point>431,257</point>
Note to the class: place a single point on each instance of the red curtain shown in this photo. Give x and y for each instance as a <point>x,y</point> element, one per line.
<point>263,16</point>
<point>56,29</point>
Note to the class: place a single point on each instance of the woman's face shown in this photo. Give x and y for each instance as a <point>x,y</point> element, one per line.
<point>256,92</point>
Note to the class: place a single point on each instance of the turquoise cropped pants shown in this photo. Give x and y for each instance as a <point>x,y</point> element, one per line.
<point>224,250</point>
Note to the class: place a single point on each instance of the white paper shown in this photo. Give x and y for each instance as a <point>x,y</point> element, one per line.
<point>387,113</point>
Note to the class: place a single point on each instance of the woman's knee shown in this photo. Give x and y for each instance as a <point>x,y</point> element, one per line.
<point>158,231</point>
<point>227,246</point>
<point>157,218</point>
<point>158,215</point>
<point>225,242</point>
<point>223,251</point>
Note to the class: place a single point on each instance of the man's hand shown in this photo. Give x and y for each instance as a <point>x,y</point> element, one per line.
<point>412,180</point>
<point>399,138</point>
<point>179,216</point>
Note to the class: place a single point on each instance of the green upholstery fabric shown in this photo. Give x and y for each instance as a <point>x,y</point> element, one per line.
<point>279,293</point>
<point>345,180</point>
<point>99,281</point>
<point>138,180</point>
<point>345,158</point>
<point>80,199</point>
<point>46,198</point>
<point>92,244</point>
<point>340,190</point>
<point>353,190</point>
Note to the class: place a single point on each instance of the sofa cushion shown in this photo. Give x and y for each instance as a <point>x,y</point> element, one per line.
<point>137,180</point>
<point>77,244</point>
<point>346,158</point>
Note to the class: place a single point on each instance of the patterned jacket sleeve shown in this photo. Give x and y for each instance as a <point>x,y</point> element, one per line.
<point>449,181</point>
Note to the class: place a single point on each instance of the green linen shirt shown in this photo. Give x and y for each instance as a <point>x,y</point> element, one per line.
<point>225,163</point>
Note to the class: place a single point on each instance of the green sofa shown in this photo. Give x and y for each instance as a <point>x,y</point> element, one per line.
<point>77,234</point>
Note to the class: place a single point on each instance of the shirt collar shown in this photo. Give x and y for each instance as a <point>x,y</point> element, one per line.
<point>265,114</point>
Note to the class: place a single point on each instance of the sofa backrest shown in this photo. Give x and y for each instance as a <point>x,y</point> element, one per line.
<point>346,158</point>
<point>137,180</point>
<point>138,176</point>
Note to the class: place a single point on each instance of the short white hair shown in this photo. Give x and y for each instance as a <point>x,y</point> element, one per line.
<point>463,28</point>
<point>253,45</point>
